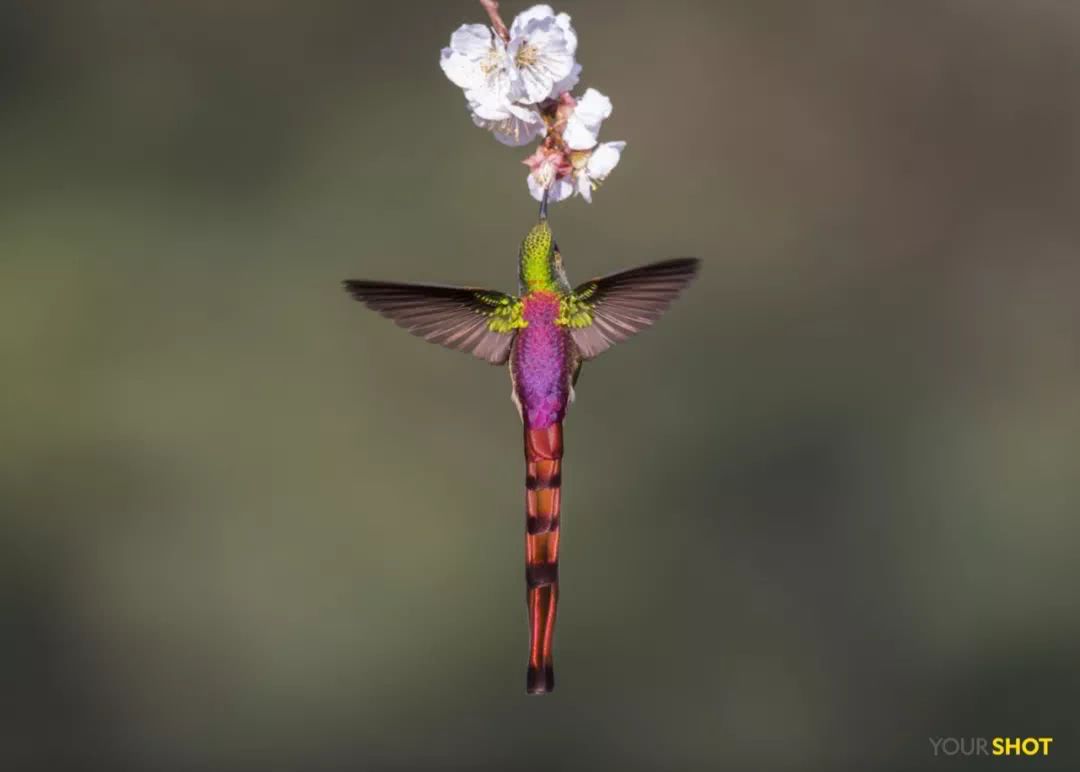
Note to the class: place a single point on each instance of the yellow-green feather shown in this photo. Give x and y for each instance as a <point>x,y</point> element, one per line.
<point>536,253</point>
<point>507,316</point>
<point>574,312</point>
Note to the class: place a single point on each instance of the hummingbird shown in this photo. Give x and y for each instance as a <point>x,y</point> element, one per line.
<point>543,335</point>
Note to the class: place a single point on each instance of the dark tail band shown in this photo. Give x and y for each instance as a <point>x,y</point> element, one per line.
<point>543,490</point>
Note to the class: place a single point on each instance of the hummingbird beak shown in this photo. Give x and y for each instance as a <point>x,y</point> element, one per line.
<point>543,206</point>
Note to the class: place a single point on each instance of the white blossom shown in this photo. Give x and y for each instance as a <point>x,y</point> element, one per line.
<point>512,124</point>
<point>518,87</point>
<point>583,125</point>
<point>541,49</point>
<point>478,62</point>
<point>562,20</point>
<point>549,170</point>
<point>557,190</point>
<point>590,170</point>
<point>580,172</point>
<point>541,12</point>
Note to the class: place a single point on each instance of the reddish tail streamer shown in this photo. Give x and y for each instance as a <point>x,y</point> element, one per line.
<point>543,488</point>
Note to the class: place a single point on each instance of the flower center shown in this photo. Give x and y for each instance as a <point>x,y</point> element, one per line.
<point>580,159</point>
<point>545,174</point>
<point>527,55</point>
<point>491,63</point>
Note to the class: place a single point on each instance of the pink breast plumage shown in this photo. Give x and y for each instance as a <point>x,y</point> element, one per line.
<point>540,362</point>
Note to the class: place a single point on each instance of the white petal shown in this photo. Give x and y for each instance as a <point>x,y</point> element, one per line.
<point>593,107</point>
<point>477,60</point>
<point>535,188</point>
<point>484,113</point>
<point>527,114</point>
<point>543,33</point>
<point>515,133</point>
<point>517,28</point>
<point>584,187</point>
<point>604,159</point>
<point>515,87</point>
<point>557,60</point>
<point>511,124</point>
<point>460,69</point>
<point>472,41</point>
<point>567,83</point>
<point>563,20</point>
<point>577,135</point>
<point>559,190</point>
<point>536,85</point>
<point>484,108</point>
<point>550,40</point>
<point>542,57</point>
<point>583,125</point>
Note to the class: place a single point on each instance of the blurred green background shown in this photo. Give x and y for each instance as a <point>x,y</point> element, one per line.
<point>824,511</point>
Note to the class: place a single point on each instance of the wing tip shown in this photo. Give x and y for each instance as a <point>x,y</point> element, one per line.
<point>367,289</point>
<point>691,264</point>
<point>354,287</point>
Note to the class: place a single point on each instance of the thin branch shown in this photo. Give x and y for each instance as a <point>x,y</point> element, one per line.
<point>492,8</point>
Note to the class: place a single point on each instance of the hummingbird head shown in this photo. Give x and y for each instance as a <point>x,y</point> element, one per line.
<point>541,263</point>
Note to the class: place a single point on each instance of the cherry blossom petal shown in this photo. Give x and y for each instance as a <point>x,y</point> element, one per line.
<point>540,12</point>
<point>584,188</point>
<point>600,164</point>
<point>533,13</point>
<point>568,83</point>
<point>477,61</point>
<point>604,159</point>
<point>542,58</point>
<point>583,126</point>
<point>559,190</point>
<point>513,125</point>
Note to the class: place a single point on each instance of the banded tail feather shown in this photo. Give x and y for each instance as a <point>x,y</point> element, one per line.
<point>543,488</point>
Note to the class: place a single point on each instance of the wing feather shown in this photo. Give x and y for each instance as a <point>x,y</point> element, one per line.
<point>476,321</point>
<point>610,309</point>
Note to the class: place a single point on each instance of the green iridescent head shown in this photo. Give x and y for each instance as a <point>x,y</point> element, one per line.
<point>541,263</point>
<point>537,259</point>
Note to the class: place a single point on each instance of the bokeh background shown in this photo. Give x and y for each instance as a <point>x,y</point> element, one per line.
<point>826,510</point>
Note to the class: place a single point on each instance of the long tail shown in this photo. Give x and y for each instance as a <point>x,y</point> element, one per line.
<point>543,487</point>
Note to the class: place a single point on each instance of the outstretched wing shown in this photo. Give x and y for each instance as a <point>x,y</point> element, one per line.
<point>604,311</point>
<point>479,322</point>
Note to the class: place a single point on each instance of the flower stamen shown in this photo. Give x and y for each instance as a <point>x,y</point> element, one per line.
<point>527,55</point>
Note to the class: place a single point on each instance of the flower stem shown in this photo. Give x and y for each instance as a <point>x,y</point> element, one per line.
<point>492,8</point>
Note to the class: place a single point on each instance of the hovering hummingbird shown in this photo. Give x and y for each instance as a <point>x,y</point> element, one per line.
<point>543,335</point>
